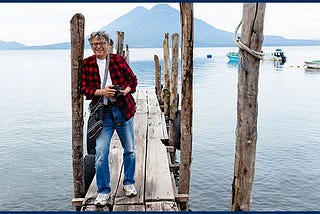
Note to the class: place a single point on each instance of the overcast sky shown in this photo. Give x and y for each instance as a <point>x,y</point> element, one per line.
<point>48,23</point>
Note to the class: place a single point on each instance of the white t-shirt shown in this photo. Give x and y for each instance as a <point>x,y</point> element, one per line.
<point>102,66</point>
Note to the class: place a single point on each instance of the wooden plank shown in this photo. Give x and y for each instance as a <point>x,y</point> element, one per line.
<point>182,197</point>
<point>155,130</point>
<point>151,93</point>
<point>115,163</point>
<point>153,104</point>
<point>161,206</point>
<point>141,95</point>
<point>91,193</point>
<point>158,180</point>
<point>155,126</point>
<point>131,207</point>
<point>141,107</point>
<point>77,202</point>
<point>94,208</point>
<point>154,108</point>
<point>141,103</point>
<point>135,95</point>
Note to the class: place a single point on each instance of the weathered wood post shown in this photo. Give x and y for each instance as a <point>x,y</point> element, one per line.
<point>186,16</point>
<point>127,54</point>
<point>247,107</point>
<point>77,47</point>
<point>166,90</point>
<point>111,46</point>
<point>174,92</point>
<point>120,40</point>
<point>158,79</point>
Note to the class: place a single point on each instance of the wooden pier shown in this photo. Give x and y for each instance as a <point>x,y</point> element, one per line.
<point>154,181</point>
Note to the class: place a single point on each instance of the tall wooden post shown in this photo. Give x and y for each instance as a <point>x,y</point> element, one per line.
<point>111,46</point>
<point>120,40</point>
<point>158,78</point>
<point>174,91</point>
<point>127,54</point>
<point>77,47</point>
<point>247,107</point>
<point>186,16</point>
<point>166,90</point>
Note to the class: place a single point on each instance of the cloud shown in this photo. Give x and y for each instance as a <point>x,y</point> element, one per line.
<point>48,23</point>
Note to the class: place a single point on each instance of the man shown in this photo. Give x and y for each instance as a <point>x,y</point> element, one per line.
<point>118,112</point>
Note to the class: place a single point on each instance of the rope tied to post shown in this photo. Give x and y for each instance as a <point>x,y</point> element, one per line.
<point>237,41</point>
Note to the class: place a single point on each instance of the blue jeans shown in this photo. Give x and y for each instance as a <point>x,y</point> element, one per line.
<point>126,134</point>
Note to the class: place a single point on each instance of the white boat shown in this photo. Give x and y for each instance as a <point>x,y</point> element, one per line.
<point>312,64</point>
<point>277,56</point>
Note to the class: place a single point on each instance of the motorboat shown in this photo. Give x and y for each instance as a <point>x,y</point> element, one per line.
<point>277,55</point>
<point>233,56</point>
<point>312,64</point>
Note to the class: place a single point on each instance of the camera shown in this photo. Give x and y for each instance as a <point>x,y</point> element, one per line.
<point>118,91</point>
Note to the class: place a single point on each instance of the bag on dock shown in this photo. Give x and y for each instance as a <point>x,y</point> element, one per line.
<point>95,121</point>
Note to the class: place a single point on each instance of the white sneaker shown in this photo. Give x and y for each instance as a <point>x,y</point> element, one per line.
<point>130,190</point>
<point>102,199</point>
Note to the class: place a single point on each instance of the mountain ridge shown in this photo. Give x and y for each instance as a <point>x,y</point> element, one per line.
<point>145,28</point>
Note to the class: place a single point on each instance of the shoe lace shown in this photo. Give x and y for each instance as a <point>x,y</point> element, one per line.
<point>128,187</point>
<point>102,196</point>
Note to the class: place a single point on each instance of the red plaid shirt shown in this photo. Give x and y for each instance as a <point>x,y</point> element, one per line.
<point>120,73</point>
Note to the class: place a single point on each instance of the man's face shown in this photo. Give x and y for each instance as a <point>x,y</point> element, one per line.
<point>100,47</point>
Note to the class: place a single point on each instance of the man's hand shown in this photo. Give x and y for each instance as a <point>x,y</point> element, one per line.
<point>106,92</point>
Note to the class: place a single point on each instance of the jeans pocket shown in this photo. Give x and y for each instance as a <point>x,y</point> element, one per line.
<point>118,116</point>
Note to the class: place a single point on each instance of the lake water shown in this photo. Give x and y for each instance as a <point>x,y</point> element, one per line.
<point>35,130</point>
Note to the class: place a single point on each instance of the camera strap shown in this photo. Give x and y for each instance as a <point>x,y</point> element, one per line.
<point>110,105</point>
<point>106,72</point>
<point>105,77</point>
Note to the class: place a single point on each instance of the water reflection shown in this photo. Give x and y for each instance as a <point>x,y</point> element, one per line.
<point>312,71</point>
<point>278,66</point>
<point>233,63</point>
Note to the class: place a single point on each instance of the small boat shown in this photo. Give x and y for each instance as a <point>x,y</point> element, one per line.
<point>233,56</point>
<point>312,64</point>
<point>277,55</point>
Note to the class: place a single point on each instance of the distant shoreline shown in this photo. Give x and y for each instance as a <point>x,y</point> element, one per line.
<point>88,48</point>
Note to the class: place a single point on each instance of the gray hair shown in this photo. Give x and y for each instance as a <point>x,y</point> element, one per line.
<point>99,34</point>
